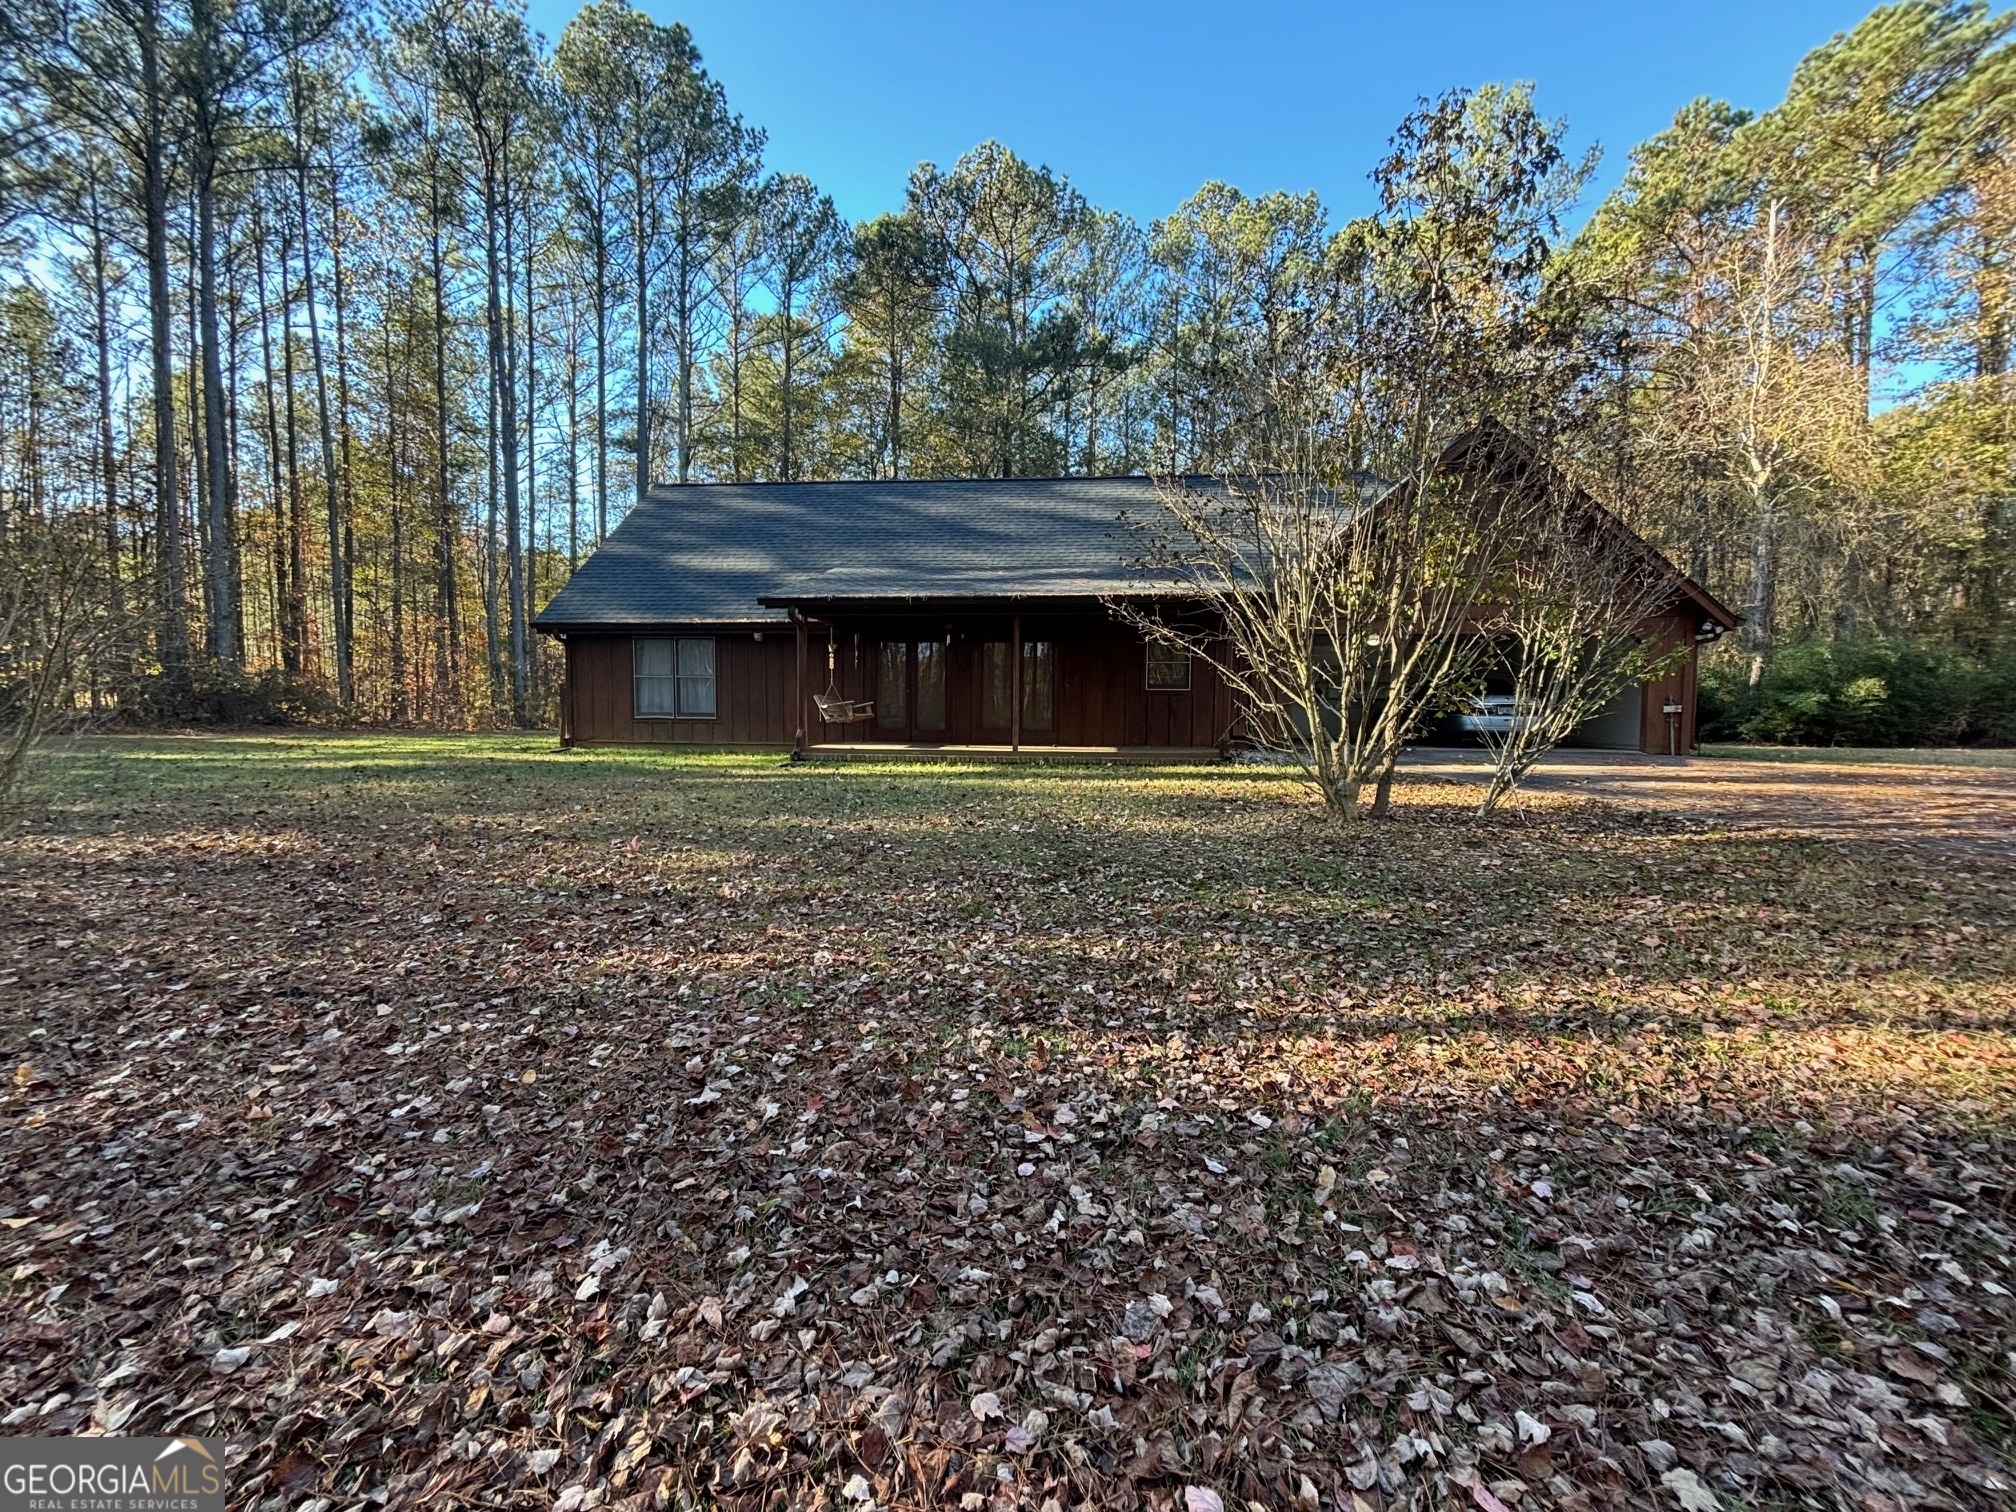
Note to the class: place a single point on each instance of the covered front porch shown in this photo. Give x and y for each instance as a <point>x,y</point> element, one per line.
<point>1017,680</point>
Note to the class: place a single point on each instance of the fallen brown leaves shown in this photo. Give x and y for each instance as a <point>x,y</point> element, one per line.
<point>455,1124</point>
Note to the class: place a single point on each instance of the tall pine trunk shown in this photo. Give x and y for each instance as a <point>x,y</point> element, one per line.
<point>234,405</point>
<point>199,457</point>
<point>895,400</point>
<point>642,249</point>
<point>343,591</point>
<point>108,453</point>
<point>171,587</point>
<point>397,471</point>
<point>283,627</point>
<point>573,450</point>
<point>735,349</point>
<point>493,635</point>
<point>504,365</point>
<point>447,613</point>
<point>684,284</point>
<point>296,610</point>
<point>220,529</point>
<point>528,598</point>
<point>790,342</point>
<point>601,400</point>
<point>332,495</point>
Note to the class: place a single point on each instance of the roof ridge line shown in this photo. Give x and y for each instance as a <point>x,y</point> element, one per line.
<point>674,488</point>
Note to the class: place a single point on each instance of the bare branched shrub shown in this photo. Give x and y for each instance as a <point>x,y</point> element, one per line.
<point>1571,626</point>
<point>1387,538</point>
<point>1337,608</point>
<point>56,627</point>
<point>1374,510</point>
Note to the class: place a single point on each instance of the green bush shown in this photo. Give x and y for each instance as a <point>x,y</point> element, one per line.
<point>221,695</point>
<point>1861,693</point>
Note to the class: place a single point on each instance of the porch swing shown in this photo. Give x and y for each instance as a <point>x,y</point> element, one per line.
<point>833,709</point>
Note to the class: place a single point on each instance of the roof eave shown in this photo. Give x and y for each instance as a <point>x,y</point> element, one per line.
<point>933,600</point>
<point>624,626</point>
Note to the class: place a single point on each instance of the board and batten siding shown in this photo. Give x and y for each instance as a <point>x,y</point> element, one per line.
<point>1656,734</point>
<point>1100,697</point>
<point>753,682</point>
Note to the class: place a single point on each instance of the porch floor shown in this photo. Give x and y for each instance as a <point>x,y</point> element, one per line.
<point>908,751</point>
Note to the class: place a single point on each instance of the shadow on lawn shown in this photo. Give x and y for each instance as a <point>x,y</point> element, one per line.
<point>263,769</point>
<point>288,1003</point>
<point>1156,880</point>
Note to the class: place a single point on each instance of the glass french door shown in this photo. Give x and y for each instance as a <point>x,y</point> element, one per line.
<point>997,695</point>
<point>910,702</point>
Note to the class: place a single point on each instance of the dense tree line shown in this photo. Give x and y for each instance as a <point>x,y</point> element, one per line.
<point>333,338</point>
<point>1824,412</point>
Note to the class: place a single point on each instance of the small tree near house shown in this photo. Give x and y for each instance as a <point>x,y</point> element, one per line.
<point>1347,610</point>
<point>1569,630</point>
<point>1339,611</point>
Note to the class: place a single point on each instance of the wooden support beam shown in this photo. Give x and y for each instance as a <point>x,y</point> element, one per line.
<point>804,693</point>
<point>1015,685</point>
<point>568,682</point>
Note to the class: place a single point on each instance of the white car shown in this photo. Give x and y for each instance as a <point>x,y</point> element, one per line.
<point>1491,714</point>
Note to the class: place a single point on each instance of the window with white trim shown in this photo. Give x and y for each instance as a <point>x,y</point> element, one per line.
<point>1168,669</point>
<point>673,676</point>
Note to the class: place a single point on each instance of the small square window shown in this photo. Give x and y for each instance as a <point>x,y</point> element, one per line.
<point>1168,669</point>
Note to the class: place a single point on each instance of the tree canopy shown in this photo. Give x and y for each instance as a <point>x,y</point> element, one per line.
<point>346,330</point>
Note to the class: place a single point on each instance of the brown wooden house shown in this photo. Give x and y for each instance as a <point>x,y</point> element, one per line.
<point>966,615</point>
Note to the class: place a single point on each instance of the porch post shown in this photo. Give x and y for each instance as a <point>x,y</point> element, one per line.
<point>804,719</point>
<point>567,681</point>
<point>1015,685</point>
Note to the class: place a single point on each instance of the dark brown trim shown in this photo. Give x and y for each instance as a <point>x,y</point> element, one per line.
<point>1015,684</point>
<point>568,683</point>
<point>802,691</point>
<point>668,627</point>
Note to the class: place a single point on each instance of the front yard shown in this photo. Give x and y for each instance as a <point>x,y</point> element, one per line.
<point>460,1123</point>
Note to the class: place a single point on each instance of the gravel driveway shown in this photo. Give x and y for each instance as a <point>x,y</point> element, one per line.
<point>1962,808</point>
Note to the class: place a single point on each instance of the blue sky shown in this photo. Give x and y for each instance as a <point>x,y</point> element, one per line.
<point>1141,103</point>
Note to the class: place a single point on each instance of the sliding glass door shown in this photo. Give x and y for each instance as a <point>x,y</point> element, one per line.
<point>910,699</point>
<point>997,690</point>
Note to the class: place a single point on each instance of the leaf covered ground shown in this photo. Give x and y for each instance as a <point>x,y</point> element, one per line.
<point>459,1123</point>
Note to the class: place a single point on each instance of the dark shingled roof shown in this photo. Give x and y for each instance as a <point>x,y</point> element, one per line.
<point>715,551</point>
<point>733,553</point>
